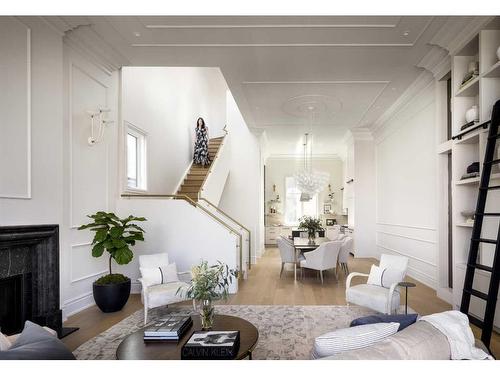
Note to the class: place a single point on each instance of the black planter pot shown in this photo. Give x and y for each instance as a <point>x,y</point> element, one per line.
<point>111,297</point>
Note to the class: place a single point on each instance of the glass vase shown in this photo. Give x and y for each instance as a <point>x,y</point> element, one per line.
<point>311,234</point>
<point>207,313</point>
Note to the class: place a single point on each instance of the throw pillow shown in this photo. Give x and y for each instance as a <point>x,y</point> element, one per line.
<point>4,342</point>
<point>34,342</point>
<point>375,276</point>
<point>352,338</point>
<point>160,275</point>
<point>403,320</point>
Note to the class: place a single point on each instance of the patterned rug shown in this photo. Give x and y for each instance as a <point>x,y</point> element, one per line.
<point>285,332</point>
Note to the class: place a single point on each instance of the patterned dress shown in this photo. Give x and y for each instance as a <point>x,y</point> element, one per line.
<point>201,155</point>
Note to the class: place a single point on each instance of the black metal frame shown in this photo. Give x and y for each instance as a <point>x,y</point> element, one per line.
<point>483,125</point>
<point>486,325</point>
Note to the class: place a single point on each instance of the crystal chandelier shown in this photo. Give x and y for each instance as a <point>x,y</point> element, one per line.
<point>310,182</point>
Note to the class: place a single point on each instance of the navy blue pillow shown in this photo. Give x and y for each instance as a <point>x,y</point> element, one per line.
<point>403,320</point>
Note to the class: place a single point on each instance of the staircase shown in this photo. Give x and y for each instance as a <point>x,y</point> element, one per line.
<point>195,178</point>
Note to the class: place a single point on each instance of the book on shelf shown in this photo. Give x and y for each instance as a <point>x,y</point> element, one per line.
<point>469,175</point>
<point>168,329</point>
<point>468,125</point>
<point>212,345</point>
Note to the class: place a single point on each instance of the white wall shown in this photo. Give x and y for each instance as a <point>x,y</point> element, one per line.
<point>44,205</point>
<point>241,197</point>
<point>406,186</point>
<point>186,233</point>
<point>165,103</point>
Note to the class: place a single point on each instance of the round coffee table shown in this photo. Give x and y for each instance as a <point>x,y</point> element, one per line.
<point>134,347</point>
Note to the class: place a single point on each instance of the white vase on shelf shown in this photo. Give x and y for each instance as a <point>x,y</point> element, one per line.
<point>472,114</point>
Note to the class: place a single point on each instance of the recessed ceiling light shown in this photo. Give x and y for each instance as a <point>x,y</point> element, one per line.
<point>406,33</point>
<point>137,34</point>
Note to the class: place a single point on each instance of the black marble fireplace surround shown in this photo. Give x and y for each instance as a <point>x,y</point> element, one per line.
<point>29,277</point>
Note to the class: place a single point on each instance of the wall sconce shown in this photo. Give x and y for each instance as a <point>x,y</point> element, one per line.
<point>97,125</point>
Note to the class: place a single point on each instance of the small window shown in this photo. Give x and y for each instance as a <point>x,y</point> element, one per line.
<point>135,142</point>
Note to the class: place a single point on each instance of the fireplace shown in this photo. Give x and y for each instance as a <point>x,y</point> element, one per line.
<point>29,277</point>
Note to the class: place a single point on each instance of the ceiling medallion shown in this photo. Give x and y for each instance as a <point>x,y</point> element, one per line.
<point>323,106</point>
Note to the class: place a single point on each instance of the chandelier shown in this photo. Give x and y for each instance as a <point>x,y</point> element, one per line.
<point>308,181</point>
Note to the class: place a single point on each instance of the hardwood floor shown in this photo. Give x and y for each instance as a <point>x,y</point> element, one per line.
<point>264,287</point>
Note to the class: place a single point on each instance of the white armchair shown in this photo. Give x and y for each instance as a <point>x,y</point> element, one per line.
<point>345,249</point>
<point>378,298</point>
<point>287,252</point>
<point>323,258</point>
<point>155,295</point>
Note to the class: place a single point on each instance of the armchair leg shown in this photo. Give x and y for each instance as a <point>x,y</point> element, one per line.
<point>282,266</point>
<point>321,276</point>
<point>145,315</point>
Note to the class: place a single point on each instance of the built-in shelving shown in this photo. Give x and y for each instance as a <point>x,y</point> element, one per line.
<point>469,89</point>
<point>493,72</point>
<point>465,225</point>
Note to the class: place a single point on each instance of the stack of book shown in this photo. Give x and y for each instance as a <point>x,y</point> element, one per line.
<point>212,345</point>
<point>171,328</point>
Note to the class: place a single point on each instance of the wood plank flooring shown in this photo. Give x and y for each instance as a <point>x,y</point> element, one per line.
<point>264,287</point>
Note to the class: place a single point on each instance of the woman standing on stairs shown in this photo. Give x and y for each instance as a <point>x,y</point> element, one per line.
<point>201,155</point>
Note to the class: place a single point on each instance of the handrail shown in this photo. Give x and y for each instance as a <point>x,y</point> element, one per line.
<point>237,222</point>
<point>213,161</point>
<point>195,204</point>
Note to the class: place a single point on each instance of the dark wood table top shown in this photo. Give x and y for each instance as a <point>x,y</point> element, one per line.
<point>303,243</point>
<point>134,347</point>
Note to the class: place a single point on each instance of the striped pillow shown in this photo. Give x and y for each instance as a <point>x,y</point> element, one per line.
<point>351,338</point>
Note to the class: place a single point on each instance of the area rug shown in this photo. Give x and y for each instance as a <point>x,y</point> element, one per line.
<point>285,332</point>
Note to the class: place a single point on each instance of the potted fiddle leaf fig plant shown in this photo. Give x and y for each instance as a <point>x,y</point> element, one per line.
<point>116,236</point>
<point>311,224</point>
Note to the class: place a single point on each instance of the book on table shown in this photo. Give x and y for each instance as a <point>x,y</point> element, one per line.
<point>170,328</point>
<point>212,345</point>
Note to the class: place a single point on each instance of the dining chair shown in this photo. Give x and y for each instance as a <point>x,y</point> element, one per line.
<point>345,249</point>
<point>323,258</point>
<point>287,252</point>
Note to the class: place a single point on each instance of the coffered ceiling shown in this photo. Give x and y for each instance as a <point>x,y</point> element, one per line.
<point>288,74</point>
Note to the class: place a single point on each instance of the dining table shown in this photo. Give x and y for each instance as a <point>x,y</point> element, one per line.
<point>301,244</point>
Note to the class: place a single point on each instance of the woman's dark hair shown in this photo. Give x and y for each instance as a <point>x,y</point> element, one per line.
<point>202,123</point>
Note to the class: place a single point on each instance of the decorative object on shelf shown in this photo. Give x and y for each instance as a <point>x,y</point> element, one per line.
<point>468,125</point>
<point>472,72</point>
<point>312,225</point>
<point>472,114</point>
<point>116,236</point>
<point>327,208</point>
<point>330,222</point>
<point>208,283</point>
<point>469,216</point>
<point>472,171</point>
<point>97,135</point>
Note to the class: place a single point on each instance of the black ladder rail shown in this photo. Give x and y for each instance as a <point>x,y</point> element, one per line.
<point>486,325</point>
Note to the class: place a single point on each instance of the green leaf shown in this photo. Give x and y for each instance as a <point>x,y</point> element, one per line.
<point>101,235</point>
<point>118,243</point>
<point>97,250</point>
<point>108,244</point>
<point>123,255</point>
<point>116,232</point>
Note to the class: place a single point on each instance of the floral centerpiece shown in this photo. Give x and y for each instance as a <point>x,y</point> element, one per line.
<point>208,283</point>
<point>311,224</point>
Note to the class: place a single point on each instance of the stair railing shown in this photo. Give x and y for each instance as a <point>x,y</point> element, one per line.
<point>205,210</point>
<point>226,215</point>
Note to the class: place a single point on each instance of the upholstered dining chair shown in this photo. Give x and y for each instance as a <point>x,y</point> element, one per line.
<point>323,258</point>
<point>156,293</point>
<point>384,299</point>
<point>345,249</point>
<point>287,252</point>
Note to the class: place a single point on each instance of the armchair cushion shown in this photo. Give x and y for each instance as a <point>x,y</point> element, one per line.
<point>4,342</point>
<point>165,294</point>
<point>352,338</point>
<point>403,320</point>
<point>385,277</point>
<point>161,274</point>
<point>372,296</point>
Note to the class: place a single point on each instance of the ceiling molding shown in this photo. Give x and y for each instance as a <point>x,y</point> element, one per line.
<point>275,26</point>
<point>361,134</point>
<point>420,83</point>
<point>148,45</point>
<point>310,82</point>
<point>437,61</point>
